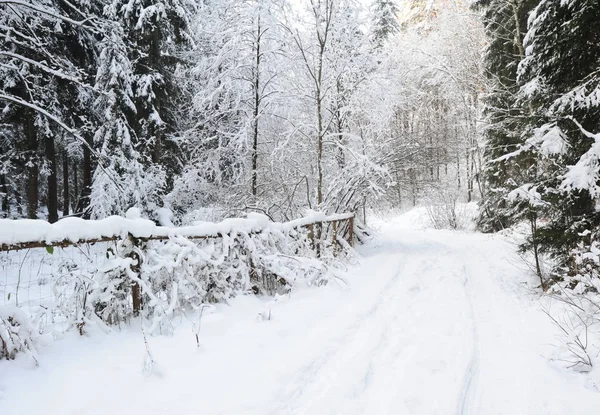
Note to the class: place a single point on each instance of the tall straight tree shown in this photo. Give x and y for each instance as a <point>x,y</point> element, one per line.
<point>561,79</point>
<point>80,46</point>
<point>313,45</point>
<point>505,25</point>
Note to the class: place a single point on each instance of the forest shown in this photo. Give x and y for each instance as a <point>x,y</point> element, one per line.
<point>215,108</point>
<point>209,109</point>
<point>431,166</point>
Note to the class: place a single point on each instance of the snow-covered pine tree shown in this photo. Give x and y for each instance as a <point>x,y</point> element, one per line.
<point>136,74</point>
<point>560,77</point>
<point>155,33</point>
<point>505,24</point>
<point>385,20</point>
<point>124,177</point>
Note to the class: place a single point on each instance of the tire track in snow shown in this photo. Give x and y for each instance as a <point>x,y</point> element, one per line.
<point>466,397</point>
<point>307,376</point>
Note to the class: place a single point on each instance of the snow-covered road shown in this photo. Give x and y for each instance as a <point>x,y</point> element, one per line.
<point>431,322</point>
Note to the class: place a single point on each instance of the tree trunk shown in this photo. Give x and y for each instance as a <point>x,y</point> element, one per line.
<point>4,213</point>
<point>65,172</point>
<point>32,168</point>
<point>4,191</point>
<point>398,189</point>
<point>518,41</point>
<point>256,110</point>
<point>52,180</point>
<point>339,122</point>
<point>469,166</point>
<point>320,132</point>
<point>534,243</point>
<point>86,189</point>
<point>75,186</point>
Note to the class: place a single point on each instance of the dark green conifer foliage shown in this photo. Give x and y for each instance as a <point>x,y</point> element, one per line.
<point>561,80</point>
<point>505,24</point>
<point>155,32</point>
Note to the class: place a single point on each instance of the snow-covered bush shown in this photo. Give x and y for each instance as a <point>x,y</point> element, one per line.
<point>155,273</point>
<point>111,294</point>
<point>16,333</point>
<point>183,274</point>
<point>576,288</point>
<point>586,268</point>
<point>444,209</point>
<point>580,275</point>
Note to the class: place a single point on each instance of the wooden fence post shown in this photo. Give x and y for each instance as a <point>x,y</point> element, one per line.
<point>136,293</point>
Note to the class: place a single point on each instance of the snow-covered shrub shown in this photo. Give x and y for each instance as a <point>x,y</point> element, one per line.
<point>444,210</point>
<point>183,274</point>
<point>576,288</point>
<point>155,273</point>
<point>586,268</point>
<point>581,273</point>
<point>16,333</point>
<point>94,289</point>
<point>111,292</point>
<point>170,277</point>
<point>71,290</point>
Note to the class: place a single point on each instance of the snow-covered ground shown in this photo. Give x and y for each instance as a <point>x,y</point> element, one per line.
<point>430,322</point>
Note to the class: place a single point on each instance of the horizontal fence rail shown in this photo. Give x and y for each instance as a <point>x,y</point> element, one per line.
<point>28,233</point>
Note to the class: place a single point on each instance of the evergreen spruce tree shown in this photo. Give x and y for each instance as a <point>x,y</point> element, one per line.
<point>155,32</point>
<point>385,13</point>
<point>561,80</point>
<point>124,177</point>
<point>505,24</point>
<point>138,102</point>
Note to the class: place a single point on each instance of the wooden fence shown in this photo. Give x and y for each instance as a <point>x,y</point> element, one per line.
<point>337,230</point>
<point>342,226</point>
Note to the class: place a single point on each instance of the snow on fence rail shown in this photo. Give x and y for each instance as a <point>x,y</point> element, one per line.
<point>79,273</point>
<point>31,233</point>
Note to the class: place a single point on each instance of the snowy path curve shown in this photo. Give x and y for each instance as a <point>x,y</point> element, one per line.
<point>433,322</point>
